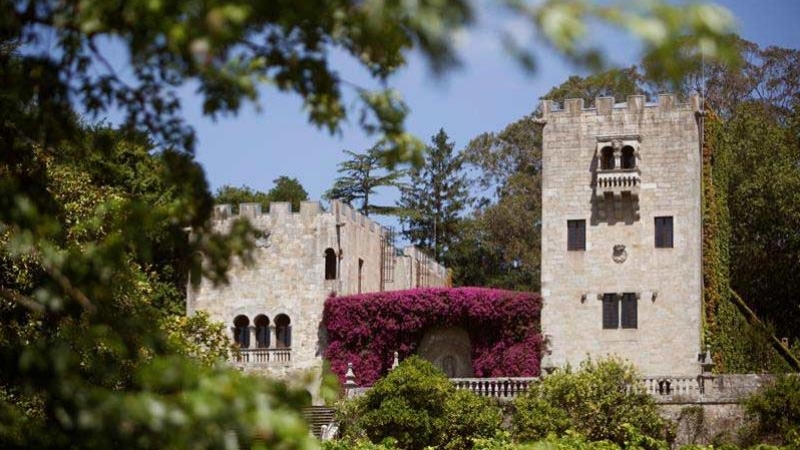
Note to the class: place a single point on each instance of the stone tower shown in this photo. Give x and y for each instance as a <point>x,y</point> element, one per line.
<point>621,233</point>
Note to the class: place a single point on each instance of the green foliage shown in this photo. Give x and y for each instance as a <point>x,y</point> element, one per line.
<point>363,173</point>
<point>235,196</point>
<point>417,406</point>
<point>777,409</point>
<point>742,240</point>
<point>289,190</point>
<point>617,83</point>
<point>358,444</point>
<point>500,243</point>
<point>599,401</point>
<point>434,198</point>
<point>284,189</point>
<point>198,337</point>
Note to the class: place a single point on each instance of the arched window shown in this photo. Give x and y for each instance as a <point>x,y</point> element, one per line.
<point>607,158</point>
<point>262,331</point>
<point>330,264</point>
<point>628,157</point>
<point>283,331</point>
<point>241,331</point>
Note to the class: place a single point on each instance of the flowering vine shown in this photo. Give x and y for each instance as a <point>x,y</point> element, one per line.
<point>367,329</point>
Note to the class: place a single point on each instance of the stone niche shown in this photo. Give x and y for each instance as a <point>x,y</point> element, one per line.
<point>449,349</point>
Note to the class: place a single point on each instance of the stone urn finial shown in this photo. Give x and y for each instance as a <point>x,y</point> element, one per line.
<point>350,377</point>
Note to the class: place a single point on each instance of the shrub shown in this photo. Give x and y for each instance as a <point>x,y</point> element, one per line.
<point>468,416</point>
<point>777,410</point>
<point>598,401</point>
<point>417,406</point>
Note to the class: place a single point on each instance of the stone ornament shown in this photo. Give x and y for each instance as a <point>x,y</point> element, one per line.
<point>620,254</point>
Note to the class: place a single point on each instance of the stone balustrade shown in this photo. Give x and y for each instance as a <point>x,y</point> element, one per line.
<point>618,181</point>
<point>660,386</point>
<point>702,389</point>
<point>495,387</point>
<point>264,356</point>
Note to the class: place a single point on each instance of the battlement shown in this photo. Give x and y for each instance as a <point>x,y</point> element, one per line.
<point>636,104</point>
<point>310,211</point>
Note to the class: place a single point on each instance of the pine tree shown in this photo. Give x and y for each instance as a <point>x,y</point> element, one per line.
<point>362,174</point>
<point>433,200</point>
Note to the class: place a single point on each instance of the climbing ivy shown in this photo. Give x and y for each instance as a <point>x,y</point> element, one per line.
<point>740,343</point>
<point>367,329</point>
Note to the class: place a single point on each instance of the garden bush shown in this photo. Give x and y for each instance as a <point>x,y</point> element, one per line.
<point>367,329</point>
<point>417,406</point>
<point>777,410</point>
<point>599,401</point>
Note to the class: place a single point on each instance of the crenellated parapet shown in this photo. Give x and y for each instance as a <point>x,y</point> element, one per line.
<point>280,213</point>
<point>635,105</point>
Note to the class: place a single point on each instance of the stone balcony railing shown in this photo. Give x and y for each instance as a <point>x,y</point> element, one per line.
<point>672,386</point>
<point>502,388</point>
<point>261,356</point>
<point>617,181</point>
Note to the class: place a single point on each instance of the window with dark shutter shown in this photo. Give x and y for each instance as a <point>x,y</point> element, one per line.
<point>576,235</point>
<point>610,311</point>
<point>664,232</point>
<point>629,312</point>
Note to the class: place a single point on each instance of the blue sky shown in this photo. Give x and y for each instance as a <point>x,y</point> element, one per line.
<point>490,91</point>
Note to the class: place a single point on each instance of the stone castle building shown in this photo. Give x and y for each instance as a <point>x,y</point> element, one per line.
<point>274,307</point>
<point>621,233</point>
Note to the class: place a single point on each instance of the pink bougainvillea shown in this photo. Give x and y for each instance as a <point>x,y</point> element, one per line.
<point>367,329</point>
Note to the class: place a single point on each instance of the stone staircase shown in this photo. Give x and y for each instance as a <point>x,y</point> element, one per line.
<point>316,417</point>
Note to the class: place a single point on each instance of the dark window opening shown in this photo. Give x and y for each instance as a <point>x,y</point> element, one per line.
<point>283,331</point>
<point>628,318</point>
<point>610,311</point>
<point>628,157</point>
<point>663,232</point>
<point>330,264</point>
<point>620,311</point>
<point>360,273</point>
<point>576,235</point>
<point>241,331</point>
<point>262,331</point>
<point>607,158</point>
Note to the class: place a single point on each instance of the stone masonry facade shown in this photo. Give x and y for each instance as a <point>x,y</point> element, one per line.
<point>621,233</point>
<point>273,308</point>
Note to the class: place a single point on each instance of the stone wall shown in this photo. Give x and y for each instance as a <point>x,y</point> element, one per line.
<point>289,276</point>
<point>619,209</point>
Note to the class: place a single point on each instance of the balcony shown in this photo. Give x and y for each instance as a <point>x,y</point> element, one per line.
<point>263,356</point>
<point>618,181</point>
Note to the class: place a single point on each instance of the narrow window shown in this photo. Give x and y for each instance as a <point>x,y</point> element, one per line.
<point>664,232</point>
<point>283,331</point>
<point>241,331</point>
<point>607,158</point>
<point>628,157</point>
<point>629,312</point>
<point>576,235</point>
<point>610,311</point>
<point>330,264</point>
<point>262,331</point>
<point>360,273</point>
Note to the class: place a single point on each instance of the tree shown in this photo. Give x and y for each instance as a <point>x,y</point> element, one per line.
<point>235,196</point>
<point>597,401</point>
<point>417,405</point>
<point>617,83</point>
<point>80,339</point>
<point>284,189</point>
<point>764,201</point>
<point>434,198</point>
<point>506,221</point>
<point>287,189</point>
<point>363,174</point>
